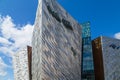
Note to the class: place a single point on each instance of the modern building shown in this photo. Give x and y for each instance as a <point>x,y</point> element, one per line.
<point>106,52</point>
<point>56,44</point>
<point>87,68</point>
<point>22,64</point>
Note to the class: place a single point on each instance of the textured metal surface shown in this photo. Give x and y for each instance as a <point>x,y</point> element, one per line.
<point>21,65</point>
<point>108,50</point>
<point>56,52</point>
<point>111,58</point>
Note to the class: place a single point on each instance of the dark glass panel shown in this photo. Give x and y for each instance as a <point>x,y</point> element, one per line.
<point>67,24</point>
<point>73,50</point>
<point>53,13</point>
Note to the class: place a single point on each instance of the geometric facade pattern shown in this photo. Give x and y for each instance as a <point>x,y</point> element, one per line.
<point>106,58</point>
<point>62,50</point>
<point>21,64</point>
<point>56,44</point>
<point>87,55</point>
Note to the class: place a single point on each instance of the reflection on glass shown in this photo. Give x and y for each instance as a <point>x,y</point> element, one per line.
<point>87,56</point>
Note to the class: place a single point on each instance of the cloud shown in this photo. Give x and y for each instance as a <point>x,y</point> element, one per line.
<point>4,41</point>
<point>117,35</point>
<point>3,67</point>
<point>12,36</point>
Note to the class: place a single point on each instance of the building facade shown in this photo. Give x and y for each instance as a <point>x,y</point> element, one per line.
<point>87,68</point>
<point>56,44</point>
<point>106,52</point>
<point>22,64</point>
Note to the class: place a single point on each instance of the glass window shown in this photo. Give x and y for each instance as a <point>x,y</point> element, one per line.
<point>67,24</point>
<point>74,52</point>
<point>53,13</point>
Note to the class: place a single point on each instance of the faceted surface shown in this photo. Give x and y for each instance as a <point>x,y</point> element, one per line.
<point>107,58</point>
<point>111,58</point>
<point>21,65</point>
<point>56,42</point>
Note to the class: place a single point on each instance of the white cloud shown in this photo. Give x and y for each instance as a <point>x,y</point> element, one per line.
<point>12,37</point>
<point>3,67</point>
<point>4,41</point>
<point>117,35</point>
<point>9,31</point>
<point>7,51</point>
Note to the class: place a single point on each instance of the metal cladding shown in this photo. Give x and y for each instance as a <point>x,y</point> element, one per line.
<point>56,44</point>
<point>21,64</point>
<point>106,52</point>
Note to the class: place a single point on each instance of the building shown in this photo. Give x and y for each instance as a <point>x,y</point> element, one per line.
<point>87,68</point>
<point>22,64</point>
<point>106,52</point>
<point>56,44</point>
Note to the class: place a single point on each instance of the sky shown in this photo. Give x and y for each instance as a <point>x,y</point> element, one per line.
<point>17,20</point>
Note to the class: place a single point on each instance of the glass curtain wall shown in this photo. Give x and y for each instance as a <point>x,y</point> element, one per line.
<point>87,55</point>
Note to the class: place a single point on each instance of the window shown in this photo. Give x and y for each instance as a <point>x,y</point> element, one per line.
<point>113,46</point>
<point>56,16</point>
<point>49,9</point>
<point>74,52</point>
<point>67,24</point>
<point>118,47</point>
<point>53,13</point>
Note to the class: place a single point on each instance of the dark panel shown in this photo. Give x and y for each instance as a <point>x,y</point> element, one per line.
<point>98,59</point>
<point>73,50</point>
<point>67,24</point>
<point>53,13</point>
<point>29,49</point>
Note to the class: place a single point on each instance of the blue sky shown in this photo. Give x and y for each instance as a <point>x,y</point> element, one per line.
<point>17,17</point>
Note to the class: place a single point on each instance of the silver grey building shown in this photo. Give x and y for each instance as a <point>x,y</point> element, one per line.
<point>56,44</point>
<point>22,64</point>
<point>106,54</point>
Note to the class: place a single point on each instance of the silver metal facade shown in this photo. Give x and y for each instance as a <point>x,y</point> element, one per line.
<point>20,65</point>
<point>111,58</point>
<point>56,44</point>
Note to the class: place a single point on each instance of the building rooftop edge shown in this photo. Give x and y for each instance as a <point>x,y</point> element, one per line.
<point>101,36</point>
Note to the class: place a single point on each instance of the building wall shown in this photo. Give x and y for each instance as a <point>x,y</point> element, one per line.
<point>29,50</point>
<point>56,44</point>
<point>87,54</point>
<point>98,59</point>
<point>110,58</point>
<point>20,65</point>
